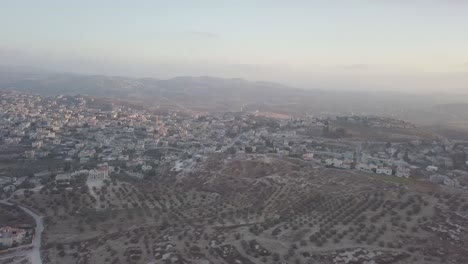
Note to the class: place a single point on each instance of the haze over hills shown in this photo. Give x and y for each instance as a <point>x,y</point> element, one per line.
<point>131,185</point>
<point>234,132</point>
<point>210,94</point>
<point>456,110</point>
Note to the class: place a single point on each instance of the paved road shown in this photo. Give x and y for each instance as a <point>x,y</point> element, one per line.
<point>34,253</point>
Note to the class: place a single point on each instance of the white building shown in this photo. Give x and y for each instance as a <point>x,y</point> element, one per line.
<point>308,156</point>
<point>10,236</point>
<point>333,162</point>
<point>63,177</point>
<point>36,144</point>
<point>403,172</point>
<point>347,164</point>
<point>364,167</point>
<point>99,174</point>
<point>443,179</point>
<point>384,170</point>
<point>146,167</point>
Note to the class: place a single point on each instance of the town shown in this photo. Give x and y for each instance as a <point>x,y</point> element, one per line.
<point>78,160</point>
<point>234,132</point>
<point>134,143</point>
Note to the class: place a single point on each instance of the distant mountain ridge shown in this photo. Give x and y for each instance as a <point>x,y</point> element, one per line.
<point>206,93</point>
<point>100,85</point>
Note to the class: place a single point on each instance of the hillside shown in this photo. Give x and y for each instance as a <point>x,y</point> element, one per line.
<point>458,111</point>
<point>214,94</point>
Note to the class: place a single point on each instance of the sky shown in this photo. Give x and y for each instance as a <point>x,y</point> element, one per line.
<point>416,45</point>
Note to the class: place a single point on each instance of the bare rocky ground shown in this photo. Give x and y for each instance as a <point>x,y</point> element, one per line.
<point>255,210</point>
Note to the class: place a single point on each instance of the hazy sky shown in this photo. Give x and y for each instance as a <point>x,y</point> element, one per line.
<point>360,44</point>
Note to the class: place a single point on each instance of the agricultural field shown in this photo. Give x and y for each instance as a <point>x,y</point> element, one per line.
<point>257,210</point>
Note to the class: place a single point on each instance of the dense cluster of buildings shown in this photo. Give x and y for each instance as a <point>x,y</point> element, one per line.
<point>99,141</point>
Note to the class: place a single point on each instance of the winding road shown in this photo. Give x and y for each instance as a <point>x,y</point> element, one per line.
<point>34,254</point>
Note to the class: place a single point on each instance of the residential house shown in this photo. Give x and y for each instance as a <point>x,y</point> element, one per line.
<point>99,174</point>
<point>10,236</point>
<point>403,172</point>
<point>384,170</point>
